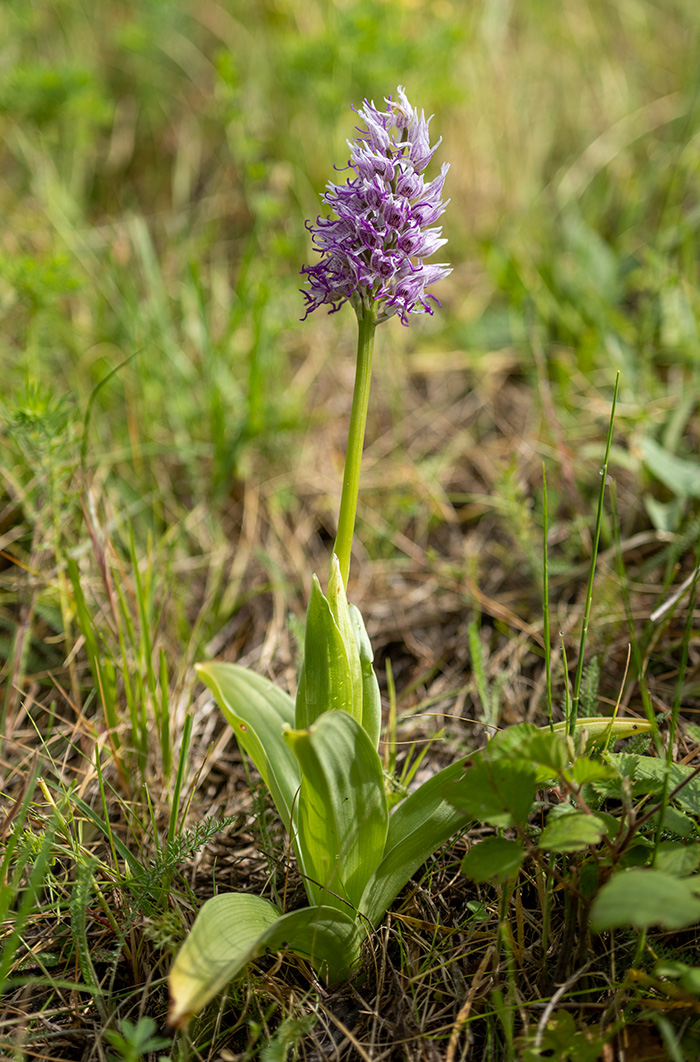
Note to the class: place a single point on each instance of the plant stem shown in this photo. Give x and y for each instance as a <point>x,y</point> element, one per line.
<point>572,716</point>
<point>366,319</point>
<point>545,597</point>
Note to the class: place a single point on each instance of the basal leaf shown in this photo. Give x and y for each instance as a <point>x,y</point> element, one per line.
<point>232,929</point>
<point>343,814</point>
<point>645,897</point>
<point>494,859</point>
<point>223,939</point>
<point>417,827</point>
<point>258,711</point>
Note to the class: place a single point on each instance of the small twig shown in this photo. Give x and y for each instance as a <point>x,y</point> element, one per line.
<point>551,1004</point>
<point>674,598</point>
<point>465,1009</point>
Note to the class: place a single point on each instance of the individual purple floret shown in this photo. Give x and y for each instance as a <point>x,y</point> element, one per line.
<point>373,250</point>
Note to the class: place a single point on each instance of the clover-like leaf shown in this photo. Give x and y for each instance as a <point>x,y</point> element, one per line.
<point>494,859</point>
<point>645,897</point>
<point>498,791</point>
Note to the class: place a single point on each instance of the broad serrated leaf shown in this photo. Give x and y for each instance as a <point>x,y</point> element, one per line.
<point>677,822</point>
<point>585,771</point>
<point>677,859</point>
<point>645,897</point>
<point>232,929</point>
<point>342,809</point>
<point>494,859</point>
<point>500,792</point>
<point>258,711</point>
<point>572,832</point>
<point>545,749</point>
<point>648,775</point>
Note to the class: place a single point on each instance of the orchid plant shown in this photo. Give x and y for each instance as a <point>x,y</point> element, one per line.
<point>318,755</point>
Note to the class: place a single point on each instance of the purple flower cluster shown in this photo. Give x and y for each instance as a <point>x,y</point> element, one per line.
<point>372,251</point>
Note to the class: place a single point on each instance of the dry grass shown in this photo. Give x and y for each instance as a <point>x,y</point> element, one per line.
<point>153,204</point>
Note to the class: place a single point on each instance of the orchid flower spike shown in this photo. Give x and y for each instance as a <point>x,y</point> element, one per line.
<point>373,250</point>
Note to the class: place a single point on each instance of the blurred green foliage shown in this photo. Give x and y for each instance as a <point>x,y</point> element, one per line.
<point>159,160</point>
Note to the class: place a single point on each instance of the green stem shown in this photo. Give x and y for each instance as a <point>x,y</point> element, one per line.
<point>572,716</point>
<point>367,323</point>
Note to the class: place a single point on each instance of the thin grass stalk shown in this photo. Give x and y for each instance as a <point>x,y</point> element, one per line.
<point>567,691</point>
<point>165,743</point>
<point>143,612</point>
<point>79,901</point>
<point>182,762</point>
<point>573,715</point>
<point>545,595</point>
<point>634,640</point>
<point>342,548</point>
<point>27,902</point>
<point>16,818</point>
<point>476,654</point>
<point>676,706</point>
<point>547,894</point>
<point>105,810</point>
<point>137,706</point>
<point>390,750</point>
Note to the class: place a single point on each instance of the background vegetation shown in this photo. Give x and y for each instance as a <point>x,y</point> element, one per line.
<point>171,440</point>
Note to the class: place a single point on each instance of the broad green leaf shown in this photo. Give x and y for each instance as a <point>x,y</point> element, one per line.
<point>561,1041</point>
<point>688,977</point>
<point>680,476</point>
<point>417,828</point>
<point>232,929</point>
<point>499,791</point>
<point>677,859</point>
<point>585,771</point>
<point>637,855</point>
<point>343,815</point>
<point>507,743</point>
<point>494,859</point>
<point>572,832</point>
<point>341,613</point>
<point>258,712</point>
<point>600,730</point>
<point>533,744</point>
<point>648,775</point>
<point>645,897</point>
<point>326,682</point>
<point>677,822</point>
<point>371,697</point>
